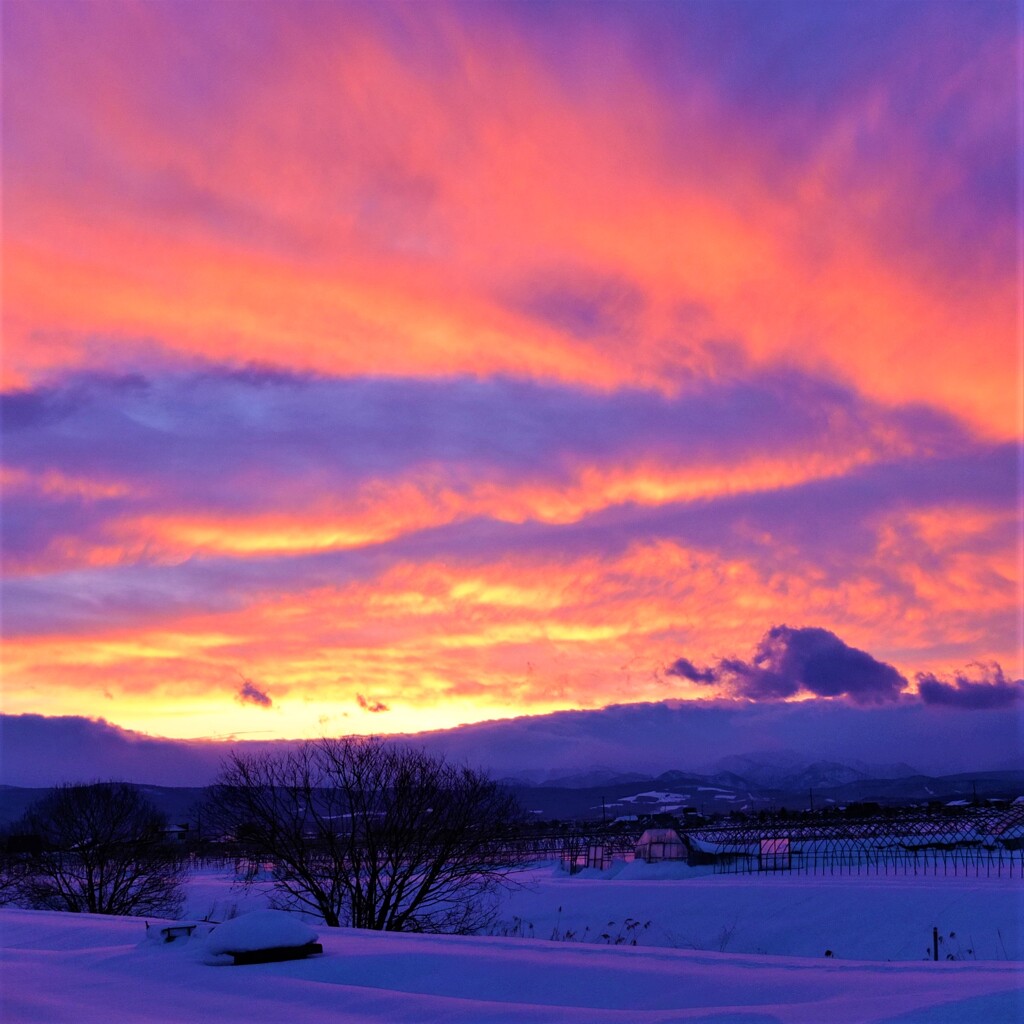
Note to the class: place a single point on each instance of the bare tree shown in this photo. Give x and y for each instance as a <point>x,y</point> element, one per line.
<point>286,809</point>
<point>12,869</point>
<point>373,835</point>
<point>574,845</point>
<point>100,849</point>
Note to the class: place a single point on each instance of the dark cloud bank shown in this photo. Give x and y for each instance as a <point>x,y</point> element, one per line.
<point>993,691</point>
<point>934,738</point>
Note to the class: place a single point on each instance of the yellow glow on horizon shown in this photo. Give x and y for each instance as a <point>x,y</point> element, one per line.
<point>197,719</point>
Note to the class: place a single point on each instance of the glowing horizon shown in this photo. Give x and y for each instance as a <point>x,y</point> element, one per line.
<point>415,365</point>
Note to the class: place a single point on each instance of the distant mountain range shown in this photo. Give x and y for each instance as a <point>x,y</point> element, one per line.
<point>748,783</point>
<point>787,769</point>
<point>775,770</point>
<point>819,784</point>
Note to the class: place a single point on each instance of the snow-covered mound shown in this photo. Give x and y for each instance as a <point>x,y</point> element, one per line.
<point>259,929</point>
<point>78,969</point>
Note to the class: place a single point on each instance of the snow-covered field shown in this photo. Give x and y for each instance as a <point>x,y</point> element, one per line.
<point>718,949</point>
<point>858,918</point>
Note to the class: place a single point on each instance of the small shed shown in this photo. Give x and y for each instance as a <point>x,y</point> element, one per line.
<point>658,844</point>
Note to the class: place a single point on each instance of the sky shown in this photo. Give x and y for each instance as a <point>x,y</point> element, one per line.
<point>388,367</point>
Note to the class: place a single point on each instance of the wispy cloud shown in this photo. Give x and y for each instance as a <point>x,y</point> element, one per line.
<point>280,462</point>
<point>854,212</point>
<point>250,693</point>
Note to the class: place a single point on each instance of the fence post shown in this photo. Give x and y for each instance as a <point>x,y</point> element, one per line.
<point>935,944</point>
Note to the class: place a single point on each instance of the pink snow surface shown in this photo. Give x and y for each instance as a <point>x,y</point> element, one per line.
<point>76,968</point>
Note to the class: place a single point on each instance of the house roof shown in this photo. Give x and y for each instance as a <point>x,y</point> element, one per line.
<point>659,835</point>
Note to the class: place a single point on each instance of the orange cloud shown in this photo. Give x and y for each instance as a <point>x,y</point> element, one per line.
<point>383,510</point>
<point>378,230</point>
<point>445,643</point>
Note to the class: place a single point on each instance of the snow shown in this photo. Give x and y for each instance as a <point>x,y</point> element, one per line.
<point>654,796</point>
<point>864,917</point>
<point>728,932</point>
<point>259,929</point>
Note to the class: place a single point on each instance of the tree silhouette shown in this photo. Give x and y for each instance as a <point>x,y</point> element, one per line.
<point>99,848</point>
<point>373,835</point>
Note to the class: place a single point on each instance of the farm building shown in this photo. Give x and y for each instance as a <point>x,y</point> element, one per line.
<point>658,844</point>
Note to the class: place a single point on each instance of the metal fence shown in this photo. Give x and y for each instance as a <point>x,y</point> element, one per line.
<point>981,842</point>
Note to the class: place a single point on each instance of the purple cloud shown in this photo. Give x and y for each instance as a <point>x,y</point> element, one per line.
<point>685,669</point>
<point>818,661</point>
<point>250,693</point>
<point>308,432</point>
<point>263,441</point>
<point>582,304</point>
<point>812,660</point>
<point>993,690</point>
